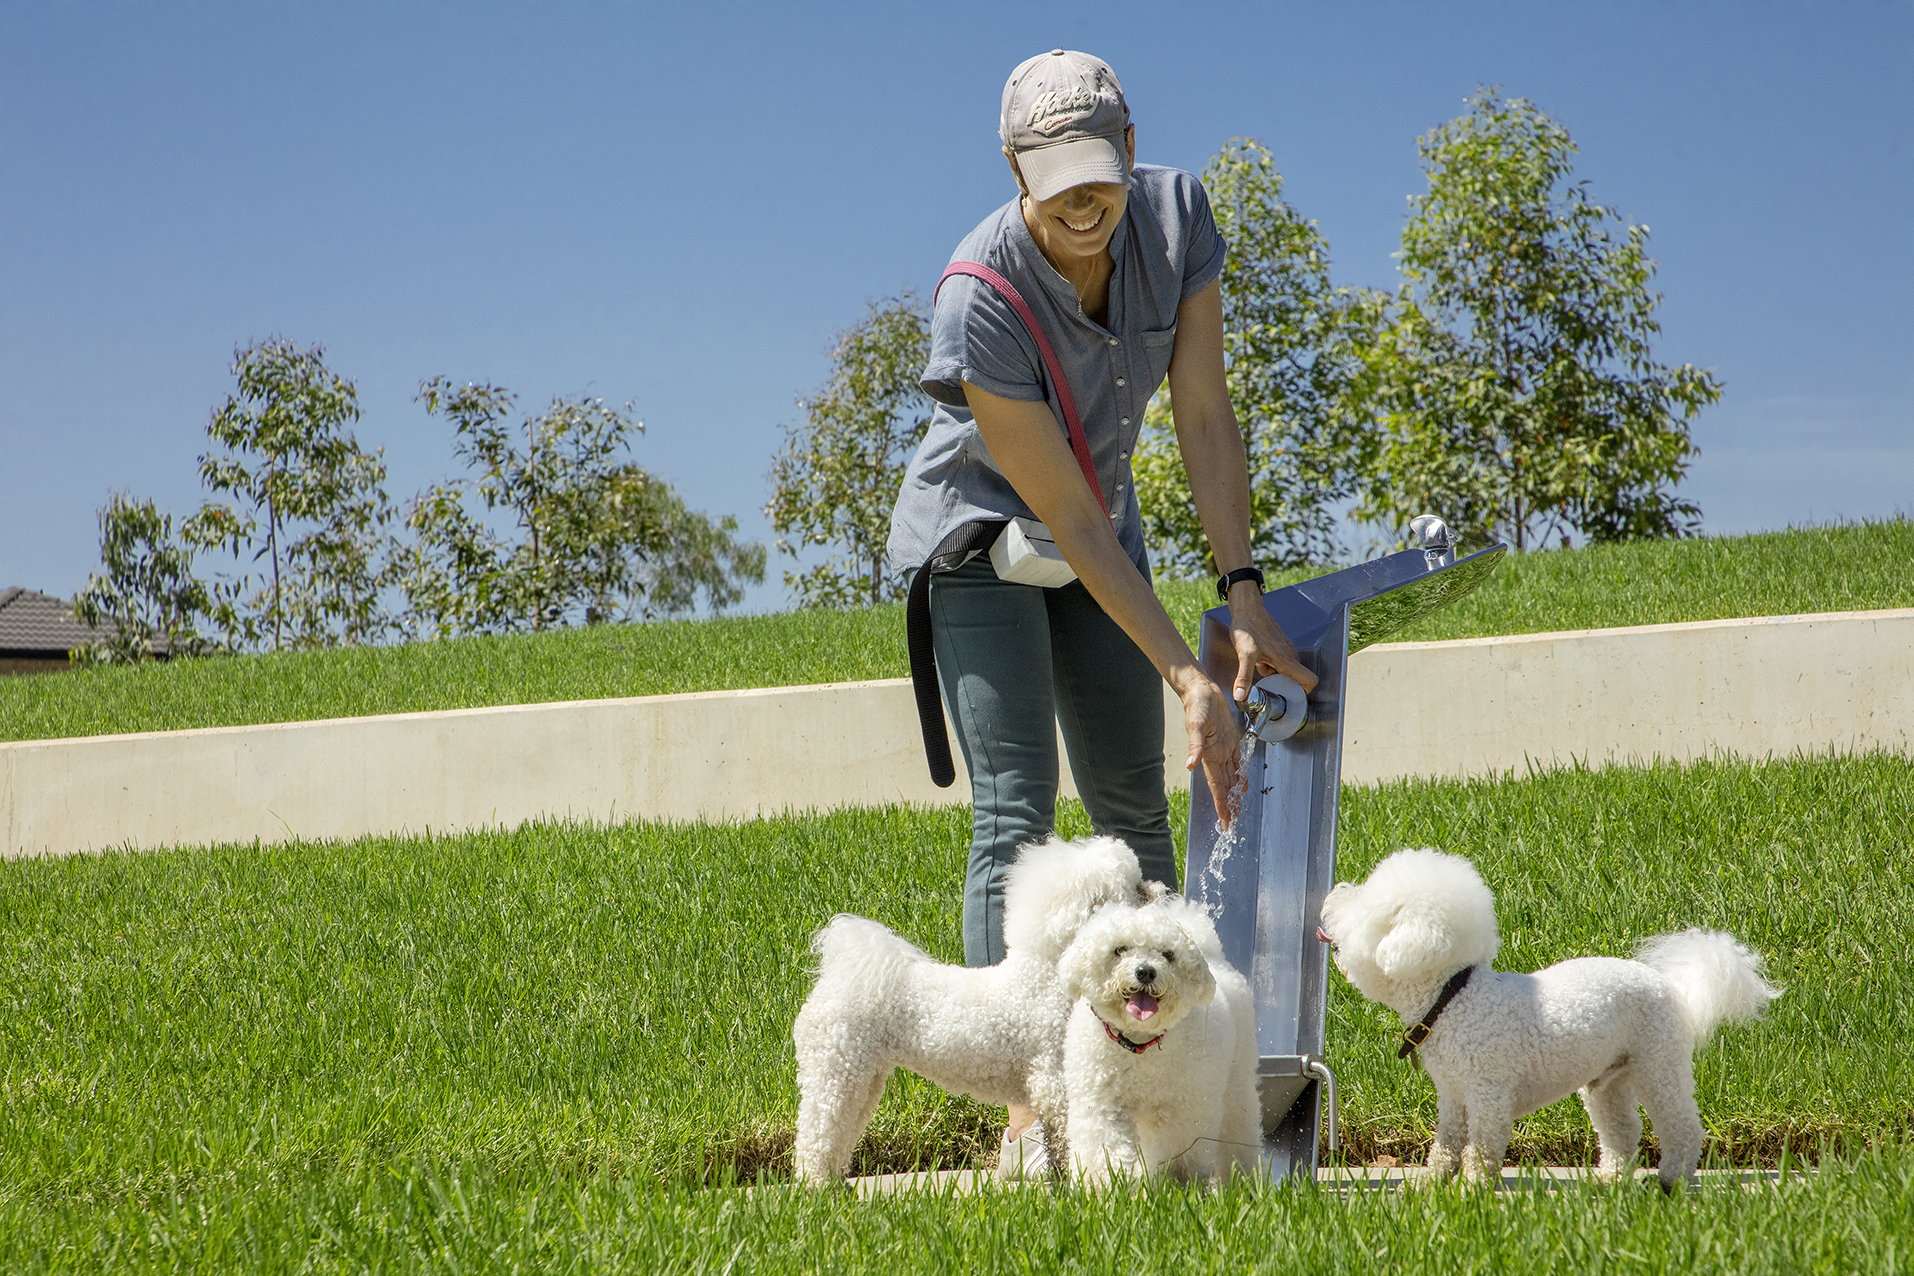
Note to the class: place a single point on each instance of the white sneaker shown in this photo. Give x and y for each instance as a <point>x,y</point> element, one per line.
<point>1024,1157</point>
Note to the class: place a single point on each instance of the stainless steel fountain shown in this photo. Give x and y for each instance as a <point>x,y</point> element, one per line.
<point>1267,876</point>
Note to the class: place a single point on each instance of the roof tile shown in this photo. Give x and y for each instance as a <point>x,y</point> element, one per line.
<point>32,623</point>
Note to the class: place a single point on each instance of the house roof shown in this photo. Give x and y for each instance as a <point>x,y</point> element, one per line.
<point>36,624</point>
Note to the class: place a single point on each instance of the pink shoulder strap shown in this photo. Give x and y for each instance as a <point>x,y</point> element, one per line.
<point>1079,443</point>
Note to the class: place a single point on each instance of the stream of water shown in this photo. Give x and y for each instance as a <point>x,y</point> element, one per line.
<point>1224,840</point>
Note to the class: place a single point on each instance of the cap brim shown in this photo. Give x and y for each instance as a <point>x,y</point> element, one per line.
<point>1051,170</point>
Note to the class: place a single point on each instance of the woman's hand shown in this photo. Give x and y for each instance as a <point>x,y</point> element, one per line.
<point>1261,646</point>
<point>1215,743</point>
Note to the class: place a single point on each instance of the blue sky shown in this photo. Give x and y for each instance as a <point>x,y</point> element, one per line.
<point>679,205</point>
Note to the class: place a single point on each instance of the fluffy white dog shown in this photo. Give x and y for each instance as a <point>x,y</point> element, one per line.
<point>1418,937</point>
<point>1159,1058</point>
<point>995,1033</point>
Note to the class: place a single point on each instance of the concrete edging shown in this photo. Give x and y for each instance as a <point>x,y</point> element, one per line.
<point>1756,688</point>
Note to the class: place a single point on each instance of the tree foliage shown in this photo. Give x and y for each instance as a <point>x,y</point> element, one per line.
<point>1290,344</point>
<point>146,596</point>
<point>596,537</point>
<point>836,478</point>
<point>1514,381</point>
<point>310,508</point>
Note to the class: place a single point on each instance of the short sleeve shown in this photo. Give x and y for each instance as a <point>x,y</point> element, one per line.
<point>975,336</point>
<point>1205,249</point>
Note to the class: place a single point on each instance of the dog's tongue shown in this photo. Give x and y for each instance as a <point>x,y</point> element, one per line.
<point>1141,1006</point>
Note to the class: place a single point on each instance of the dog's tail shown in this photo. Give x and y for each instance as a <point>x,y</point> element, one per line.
<point>1715,976</point>
<point>862,949</point>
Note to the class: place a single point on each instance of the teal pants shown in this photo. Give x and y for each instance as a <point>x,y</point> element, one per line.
<point>1015,663</point>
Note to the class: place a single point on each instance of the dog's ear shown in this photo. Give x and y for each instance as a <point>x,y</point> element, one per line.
<point>1081,965</point>
<point>1415,942</point>
<point>1190,965</point>
<point>1087,893</point>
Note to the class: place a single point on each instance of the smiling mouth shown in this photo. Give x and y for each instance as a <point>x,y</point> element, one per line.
<point>1087,227</point>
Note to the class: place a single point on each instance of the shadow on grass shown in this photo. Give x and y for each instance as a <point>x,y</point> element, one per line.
<point>765,1155</point>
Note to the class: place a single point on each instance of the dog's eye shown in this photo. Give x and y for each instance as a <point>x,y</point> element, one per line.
<point>1169,958</point>
<point>1119,952</point>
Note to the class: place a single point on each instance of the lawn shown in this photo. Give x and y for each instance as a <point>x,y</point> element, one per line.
<point>613,1005</point>
<point>427,1215</point>
<point>1843,568</point>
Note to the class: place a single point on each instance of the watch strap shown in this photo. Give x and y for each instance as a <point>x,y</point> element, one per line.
<point>1225,583</point>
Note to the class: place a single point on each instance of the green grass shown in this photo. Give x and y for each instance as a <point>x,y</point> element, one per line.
<point>519,1050</point>
<point>788,649</point>
<point>1851,567</point>
<point>619,1000</point>
<point>425,1215</point>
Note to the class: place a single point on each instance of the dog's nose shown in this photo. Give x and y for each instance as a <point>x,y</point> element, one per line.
<point>1146,974</point>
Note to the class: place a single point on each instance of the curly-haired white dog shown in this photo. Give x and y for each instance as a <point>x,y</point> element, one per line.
<point>1418,937</point>
<point>995,1033</point>
<point>1160,1055</point>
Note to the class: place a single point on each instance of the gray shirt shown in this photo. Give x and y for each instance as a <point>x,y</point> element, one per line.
<point>1166,250</point>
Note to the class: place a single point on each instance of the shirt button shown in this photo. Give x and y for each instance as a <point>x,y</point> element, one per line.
<point>1126,421</point>
<point>1119,380</point>
<point>1113,341</point>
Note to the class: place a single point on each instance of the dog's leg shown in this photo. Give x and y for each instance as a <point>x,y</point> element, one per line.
<point>1242,1132</point>
<point>1183,1146</point>
<point>1049,1099</point>
<point>1452,1133</point>
<point>1490,1120</point>
<point>1668,1094</point>
<point>1618,1126</point>
<point>836,1103</point>
<point>1104,1144</point>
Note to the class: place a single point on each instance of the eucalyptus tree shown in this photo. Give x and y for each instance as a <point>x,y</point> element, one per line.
<point>1291,343</point>
<point>837,474</point>
<point>592,537</point>
<point>309,510</point>
<point>145,599</point>
<point>1514,380</point>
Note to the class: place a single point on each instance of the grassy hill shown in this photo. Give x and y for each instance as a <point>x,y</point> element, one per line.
<point>1844,568</point>
<point>521,1050</point>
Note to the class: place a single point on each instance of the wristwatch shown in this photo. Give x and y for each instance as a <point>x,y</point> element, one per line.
<point>1223,583</point>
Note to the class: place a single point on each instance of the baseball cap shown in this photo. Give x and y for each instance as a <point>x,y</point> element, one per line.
<point>1063,118</point>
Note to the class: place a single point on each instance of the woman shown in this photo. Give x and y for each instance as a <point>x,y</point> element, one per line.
<point>1119,265</point>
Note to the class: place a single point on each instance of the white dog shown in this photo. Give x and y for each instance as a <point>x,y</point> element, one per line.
<point>1160,1055</point>
<point>995,1033</point>
<point>1418,937</point>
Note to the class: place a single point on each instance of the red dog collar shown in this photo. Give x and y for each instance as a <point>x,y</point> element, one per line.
<point>1124,1041</point>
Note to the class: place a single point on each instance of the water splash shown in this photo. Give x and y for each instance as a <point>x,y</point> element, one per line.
<point>1223,841</point>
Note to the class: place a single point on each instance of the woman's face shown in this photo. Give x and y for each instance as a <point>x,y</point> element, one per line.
<point>1077,223</point>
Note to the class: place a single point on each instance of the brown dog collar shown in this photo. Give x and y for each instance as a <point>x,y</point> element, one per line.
<point>1420,1030</point>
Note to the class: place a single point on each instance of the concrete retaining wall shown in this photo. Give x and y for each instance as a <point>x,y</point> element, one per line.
<point>1751,687</point>
<point>1757,688</point>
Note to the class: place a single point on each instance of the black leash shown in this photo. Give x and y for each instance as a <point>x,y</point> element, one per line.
<point>951,553</point>
<point>1419,1032</point>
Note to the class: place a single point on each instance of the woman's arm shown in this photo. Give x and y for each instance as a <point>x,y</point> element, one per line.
<point>1035,456</point>
<point>1212,446</point>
